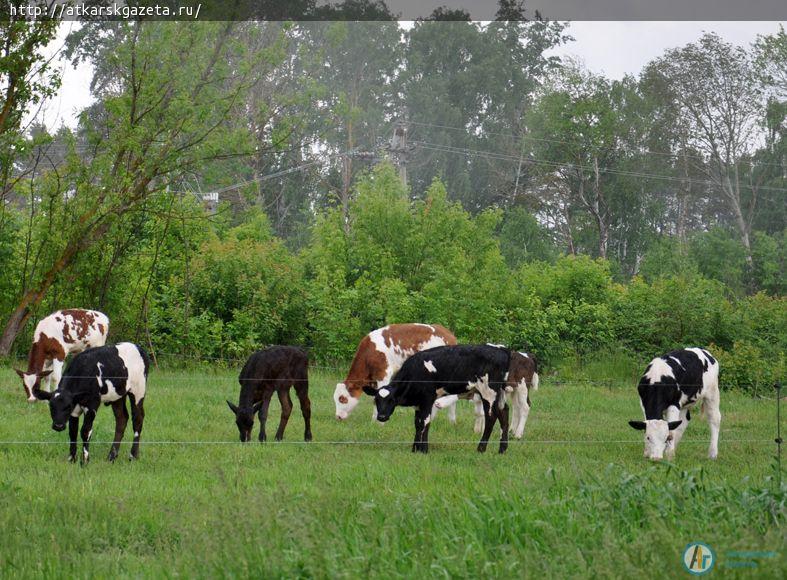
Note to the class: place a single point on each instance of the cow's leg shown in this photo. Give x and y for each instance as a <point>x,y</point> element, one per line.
<point>671,414</point>
<point>714,421</point>
<point>54,378</point>
<point>137,419</point>
<point>302,391</point>
<point>478,410</point>
<point>677,433</point>
<point>490,417</point>
<point>515,405</point>
<point>446,402</point>
<point>267,395</point>
<point>73,429</point>
<point>87,432</point>
<point>502,415</point>
<point>423,417</point>
<point>121,420</point>
<point>452,413</point>
<point>286,409</point>
<point>522,399</point>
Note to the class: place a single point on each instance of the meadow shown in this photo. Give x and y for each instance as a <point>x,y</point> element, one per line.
<point>575,498</point>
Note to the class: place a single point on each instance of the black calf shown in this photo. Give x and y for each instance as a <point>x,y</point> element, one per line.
<point>273,369</point>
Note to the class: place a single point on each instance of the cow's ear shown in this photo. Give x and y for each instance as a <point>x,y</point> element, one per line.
<point>256,406</point>
<point>20,373</point>
<point>674,424</point>
<point>42,395</point>
<point>371,391</point>
<point>638,425</point>
<point>233,408</point>
<point>43,374</point>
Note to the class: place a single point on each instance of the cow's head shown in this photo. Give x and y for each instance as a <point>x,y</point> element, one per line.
<point>61,405</point>
<point>658,435</point>
<point>345,401</point>
<point>32,383</point>
<point>384,399</point>
<point>244,418</point>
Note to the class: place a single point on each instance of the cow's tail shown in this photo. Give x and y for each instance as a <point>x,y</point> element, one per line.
<point>534,382</point>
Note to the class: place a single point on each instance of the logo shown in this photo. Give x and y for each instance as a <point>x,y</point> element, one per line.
<point>698,558</point>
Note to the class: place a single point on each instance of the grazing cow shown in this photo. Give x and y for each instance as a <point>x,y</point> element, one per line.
<point>273,369</point>
<point>62,333</point>
<point>671,385</point>
<point>521,373</point>
<point>461,370</point>
<point>106,374</point>
<point>380,354</point>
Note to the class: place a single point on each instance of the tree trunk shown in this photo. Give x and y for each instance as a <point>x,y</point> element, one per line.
<point>13,327</point>
<point>683,203</point>
<point>733,193</point>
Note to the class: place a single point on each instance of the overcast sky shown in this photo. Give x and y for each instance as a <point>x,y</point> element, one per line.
<point>612,48</point>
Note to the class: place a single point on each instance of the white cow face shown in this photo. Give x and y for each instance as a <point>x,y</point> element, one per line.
<point>658,436</point>
<point>32,383</point>
<point>345,402</point>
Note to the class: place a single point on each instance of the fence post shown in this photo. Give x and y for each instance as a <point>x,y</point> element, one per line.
<point>778,440</point>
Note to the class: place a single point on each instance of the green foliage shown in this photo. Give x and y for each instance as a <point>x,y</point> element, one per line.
<point>720,257</point>
<point>750,368</point>
<point>523,239</point>
<point>672,313</point>
<point>769,254</point>
<point>243,293</point>
<point>667,257</point>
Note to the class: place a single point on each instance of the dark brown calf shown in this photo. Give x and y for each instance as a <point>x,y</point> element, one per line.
<point>273,369</point>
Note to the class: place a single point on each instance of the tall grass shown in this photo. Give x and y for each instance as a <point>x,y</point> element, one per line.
<point>574,499</point>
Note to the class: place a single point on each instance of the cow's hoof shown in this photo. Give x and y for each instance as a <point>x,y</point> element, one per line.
<point>307,437</point>
<point>72,458</point>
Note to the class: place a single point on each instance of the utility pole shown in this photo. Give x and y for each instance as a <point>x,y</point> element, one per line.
<point>399,148</point>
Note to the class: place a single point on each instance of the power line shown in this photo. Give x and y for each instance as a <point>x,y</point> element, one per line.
<point>505,157</point>
<point>268,176</point>
<point>545,140</point>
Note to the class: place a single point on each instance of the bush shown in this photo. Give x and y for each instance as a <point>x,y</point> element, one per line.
<point>747,368</point>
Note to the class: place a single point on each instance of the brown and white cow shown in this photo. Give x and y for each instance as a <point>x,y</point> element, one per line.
<point>61,333</point>
<point>380,354</point>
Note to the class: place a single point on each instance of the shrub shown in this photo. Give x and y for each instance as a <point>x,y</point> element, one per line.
<point>747,368</point>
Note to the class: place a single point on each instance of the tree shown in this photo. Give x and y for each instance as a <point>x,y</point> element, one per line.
<point>771,59</point>
<point>27,78</point>
<point>466,89</point>
<point>713,88</point>
<point>164,115</point>
<point>582,130</point>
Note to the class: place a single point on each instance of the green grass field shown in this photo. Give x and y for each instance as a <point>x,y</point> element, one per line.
<point>574,499</point>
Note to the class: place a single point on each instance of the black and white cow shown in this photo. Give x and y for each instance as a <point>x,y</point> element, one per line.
<point>461,370</point>
<point>106,374</point>
<point>520,378</point>
<point>671,385</point>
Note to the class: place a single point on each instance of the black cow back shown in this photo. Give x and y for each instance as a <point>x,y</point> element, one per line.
<point>454,367</point>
